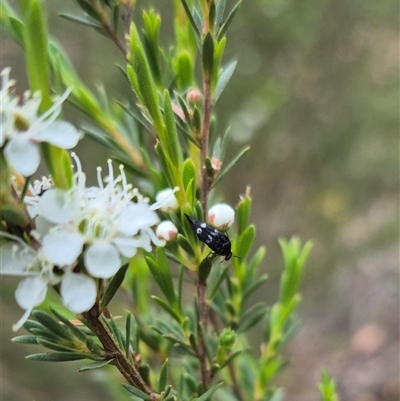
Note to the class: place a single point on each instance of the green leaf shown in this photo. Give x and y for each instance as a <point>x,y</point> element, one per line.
<point>188,172</point>
<point>218,53</point>
<point>186,245</point>
<point>36,51</point>
<point>229,19</point>
<point>190,18</point>
<point>230,166</point>
<point>221,145</point>
<point>251,289</point>
<point>161,272</point>
<point>143,81</point>
<point>231,358</point>
<point>219,12</point>
<point>80,21</point>
<point>94,365</point>
<point>71,327</point>
<point>26,339</point>
<point>327,387</point>
<point>251,317</point>
<point>165,167</point>
<point>214,286</point>
<point>138,393</point>
<point>151,33</point>
<point>245,241</point>
<point>163,378</point>
<point>243,212</point>
<point>55,346</point>
<point>171,139</point>
<point>18,28</point>
<point>59,356</point>
<point>60,165</point>
<point>167,308</point>
<point>209,392</point>
<point>113,286</point>
<point>52,324</point>
<point>184,70</point>
<point>223,79</point>
<point>208,56</point>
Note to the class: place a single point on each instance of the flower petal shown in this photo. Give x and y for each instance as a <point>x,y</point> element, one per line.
<point>78,292</point>
<point>61,247</point>
<point>29,293</point>
<point>16,259</point>
<point>135,217</point>
<point>102,260</point>
<point>58,206</point>
<point>22,154</point>
<point>127,246</point>
<point>59,133</point>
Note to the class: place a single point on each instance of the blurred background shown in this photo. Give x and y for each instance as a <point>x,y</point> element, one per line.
<point>316,95</point>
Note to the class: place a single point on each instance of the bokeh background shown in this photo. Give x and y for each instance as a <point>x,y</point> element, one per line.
<point>316,95</point>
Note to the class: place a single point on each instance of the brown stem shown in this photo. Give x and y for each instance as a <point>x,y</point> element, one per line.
<point>205,133</point>
<point>107,27</point>
<point>113,352</point>
<point>203,315</point>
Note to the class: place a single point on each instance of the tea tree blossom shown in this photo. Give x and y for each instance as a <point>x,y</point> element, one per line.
<point>104,220</point>
<point>22,128</point>
<point>77,290</point>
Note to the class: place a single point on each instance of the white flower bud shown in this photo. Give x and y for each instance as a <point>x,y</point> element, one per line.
<point>221,215</point>
<point>167,231</point>
<point>167,199</point>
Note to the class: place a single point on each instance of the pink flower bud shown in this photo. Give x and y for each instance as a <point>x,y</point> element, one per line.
<point>167,231</point>
<point>194,96</point>
<point>221,215</point>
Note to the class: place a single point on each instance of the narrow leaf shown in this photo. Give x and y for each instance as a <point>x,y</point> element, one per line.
<point>135,391</point>
<point>71,327</point>
<point>113,286</point>
<point>229,19</point>
<point>94,365</point>
<point>52,324</point>
<point>230,166</point>
<point>190,18</point>
<point>59,356</point>
<point>167,308</point>
<point>209,392</point>
<point>208,56</point>
<point>224,79</point>
<point>163,378</point>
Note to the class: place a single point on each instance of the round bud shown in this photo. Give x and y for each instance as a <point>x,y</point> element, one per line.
<point>167,231</point>
<point>194,96</point>
<point>221,215</point>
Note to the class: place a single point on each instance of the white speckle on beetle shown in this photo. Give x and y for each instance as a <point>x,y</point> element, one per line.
<point>209,237</point>
<point>199,231</point>
<point>203,225</point>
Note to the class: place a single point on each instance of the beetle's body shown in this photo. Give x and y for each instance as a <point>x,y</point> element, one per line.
<point>217,241</point>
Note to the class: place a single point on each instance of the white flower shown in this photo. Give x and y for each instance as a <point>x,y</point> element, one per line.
<point>22,128</point>
<point>221,215</point>
<point>167,230</point>
<point>168,198</point>
<point>78,291</point>
<point>104,220</point>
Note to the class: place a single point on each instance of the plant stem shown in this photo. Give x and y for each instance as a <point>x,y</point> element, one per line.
<point>205,133</point>
<point>203,317</point>
<point>113,352</point>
